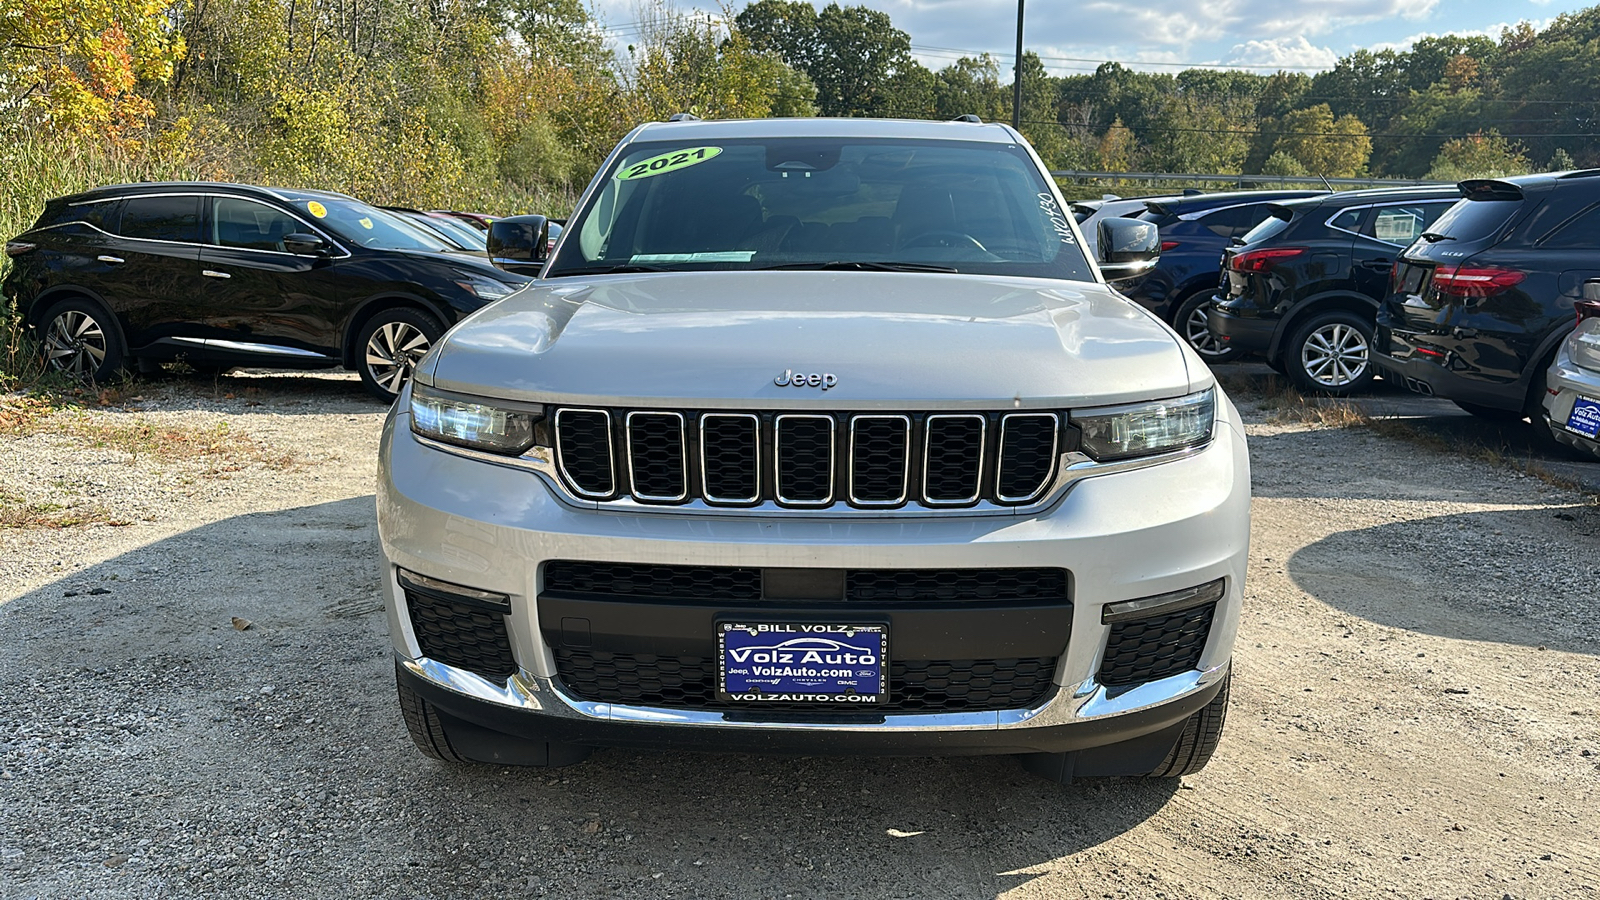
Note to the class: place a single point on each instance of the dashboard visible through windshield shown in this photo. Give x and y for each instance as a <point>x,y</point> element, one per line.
<point>799,203</point>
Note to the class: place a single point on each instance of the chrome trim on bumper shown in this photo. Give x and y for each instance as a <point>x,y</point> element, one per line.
<point>1087,702</point>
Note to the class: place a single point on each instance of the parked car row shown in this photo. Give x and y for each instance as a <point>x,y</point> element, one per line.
<point>224,275</point>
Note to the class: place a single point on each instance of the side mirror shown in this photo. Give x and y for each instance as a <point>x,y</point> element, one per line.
<point>1128,248</point>
<point>302,244</point>
<point>519,244</point>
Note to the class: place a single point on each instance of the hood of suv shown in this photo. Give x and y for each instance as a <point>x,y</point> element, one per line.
<point>724,339</point>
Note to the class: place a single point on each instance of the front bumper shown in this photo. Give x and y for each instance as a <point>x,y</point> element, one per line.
<point>1569,381</point>
<point>1121,536</point>
<point>1239,332</point>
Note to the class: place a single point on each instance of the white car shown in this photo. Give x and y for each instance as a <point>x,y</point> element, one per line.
<point>1572,396</point>
<point>846,378</point>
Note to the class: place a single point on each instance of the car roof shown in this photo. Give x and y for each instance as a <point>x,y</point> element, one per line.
<point>1377,195</point>
<point>721,129</point>
<point>163,187</point>
<point>1192,202</point>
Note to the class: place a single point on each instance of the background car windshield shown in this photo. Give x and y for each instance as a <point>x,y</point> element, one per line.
<point>973,207</point>
<point>368,226</point>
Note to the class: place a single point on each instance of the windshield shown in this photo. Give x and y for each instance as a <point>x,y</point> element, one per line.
<point>367,226</point>
<point>815,202</point>
<point>456,230</point>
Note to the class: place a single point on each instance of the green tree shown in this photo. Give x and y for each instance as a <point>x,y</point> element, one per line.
<point>1334,148</point>
<point>1481,155</point>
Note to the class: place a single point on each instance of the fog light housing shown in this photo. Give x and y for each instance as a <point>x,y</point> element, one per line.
<point>1162,604</point>
<point>446,592</point>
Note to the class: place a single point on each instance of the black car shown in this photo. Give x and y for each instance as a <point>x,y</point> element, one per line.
<point>1478,307</point>
<point>1195,230</point>
<point>223,275</point>
<point>1302,287</point>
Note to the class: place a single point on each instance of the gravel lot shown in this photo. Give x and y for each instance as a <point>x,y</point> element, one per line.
<point>1416,708</point>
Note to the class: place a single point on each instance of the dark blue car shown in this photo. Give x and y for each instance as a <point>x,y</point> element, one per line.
<point>1195,230</point>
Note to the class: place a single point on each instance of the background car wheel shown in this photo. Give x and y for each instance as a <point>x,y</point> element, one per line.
<point>81,340</point>
<point>1490,413</point>
<point>1191,325</point>
<point>1200,738</point>
<point>389,346</point>
<point>1331,354</point>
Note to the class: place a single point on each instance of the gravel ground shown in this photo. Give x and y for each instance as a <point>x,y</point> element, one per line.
<point>1415,708</point>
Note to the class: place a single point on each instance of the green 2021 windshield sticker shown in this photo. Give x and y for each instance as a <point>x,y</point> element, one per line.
<point>668,162</point>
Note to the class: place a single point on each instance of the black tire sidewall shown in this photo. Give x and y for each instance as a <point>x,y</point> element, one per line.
<point>116,346</point>
<point>426,323</point>
<point>1295,369</point>
<point>1179,323</point>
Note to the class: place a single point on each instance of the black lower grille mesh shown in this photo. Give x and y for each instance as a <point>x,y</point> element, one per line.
<point>689,682</point>
<point>731,445</point>
<point>954,459</point>
<point>878,585</point>
<point>1146,649</point>
<point>729,583</point>
<point>1027,454</point>
<point>655,451</point>
<point>805,458</point>
<point>627,580</point>
<point>583,439</point>
<point>461,636</point>
<point>878,454</point>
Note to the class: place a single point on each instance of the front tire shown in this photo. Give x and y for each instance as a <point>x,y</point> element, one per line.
<point>447,739</point>
<point>81,341</point>
<point>389,346</point>
<point>1331,354</point>
<point>1200,737</point>
<point>1190,321</point>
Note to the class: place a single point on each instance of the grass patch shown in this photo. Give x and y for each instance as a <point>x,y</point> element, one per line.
<point>224,449</point>
<point>19,512</point>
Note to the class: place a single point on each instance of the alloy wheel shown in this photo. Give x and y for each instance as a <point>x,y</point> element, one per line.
<point>393,351</point>
<point>75,344</point>
<point>1335,355</point>
<point>1198,334</point>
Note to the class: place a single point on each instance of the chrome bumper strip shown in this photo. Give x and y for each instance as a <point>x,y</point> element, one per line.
<point>1087,702</point>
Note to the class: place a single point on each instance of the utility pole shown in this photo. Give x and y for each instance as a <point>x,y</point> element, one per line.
<point>1016,78</point>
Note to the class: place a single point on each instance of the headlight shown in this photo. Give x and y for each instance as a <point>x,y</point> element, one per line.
<point>1143,429</point>
<point>485,288</point>
<point>470,424</point>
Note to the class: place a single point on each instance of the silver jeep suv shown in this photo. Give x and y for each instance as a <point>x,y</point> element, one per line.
<point>817,436</point>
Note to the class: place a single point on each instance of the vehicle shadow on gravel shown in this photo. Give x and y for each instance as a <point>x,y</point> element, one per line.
<point>1522,576</point>
<point>151,745</point>
<point>286,392</point>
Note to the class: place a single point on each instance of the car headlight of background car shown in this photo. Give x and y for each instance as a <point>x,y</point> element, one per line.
<point>485,288</point>
<point>1145,429</point>
<point>473,424</point>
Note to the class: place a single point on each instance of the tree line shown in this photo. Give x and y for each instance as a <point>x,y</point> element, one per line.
<point>509,105</point>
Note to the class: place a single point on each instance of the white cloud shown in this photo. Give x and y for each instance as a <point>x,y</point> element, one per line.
<point>1491,31</point>
<point>1294,53</point>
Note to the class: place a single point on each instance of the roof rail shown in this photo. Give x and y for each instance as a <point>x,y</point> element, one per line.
<point>683,117</point>
<point>969,117</point>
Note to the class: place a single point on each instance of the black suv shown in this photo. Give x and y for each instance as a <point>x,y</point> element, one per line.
<point>223,275</point>
<point>1479,306</point>
<point>1303,286</point>
<point>1195,230</point>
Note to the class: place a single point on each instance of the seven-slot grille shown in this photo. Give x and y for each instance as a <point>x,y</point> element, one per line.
<point>808,460</point>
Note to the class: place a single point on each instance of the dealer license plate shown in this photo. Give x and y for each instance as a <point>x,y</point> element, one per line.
<point>1585,418</point>
<point>802,662</point>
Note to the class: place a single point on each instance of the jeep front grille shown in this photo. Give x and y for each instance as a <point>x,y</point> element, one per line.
<point>810,460</point>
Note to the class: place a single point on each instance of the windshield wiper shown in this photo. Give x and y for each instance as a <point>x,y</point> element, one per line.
<point>847,265</point>
<point>1434,237</point>
<point>618,269</point>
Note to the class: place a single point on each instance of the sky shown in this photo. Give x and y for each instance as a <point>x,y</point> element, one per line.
<point>1262,35</point>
